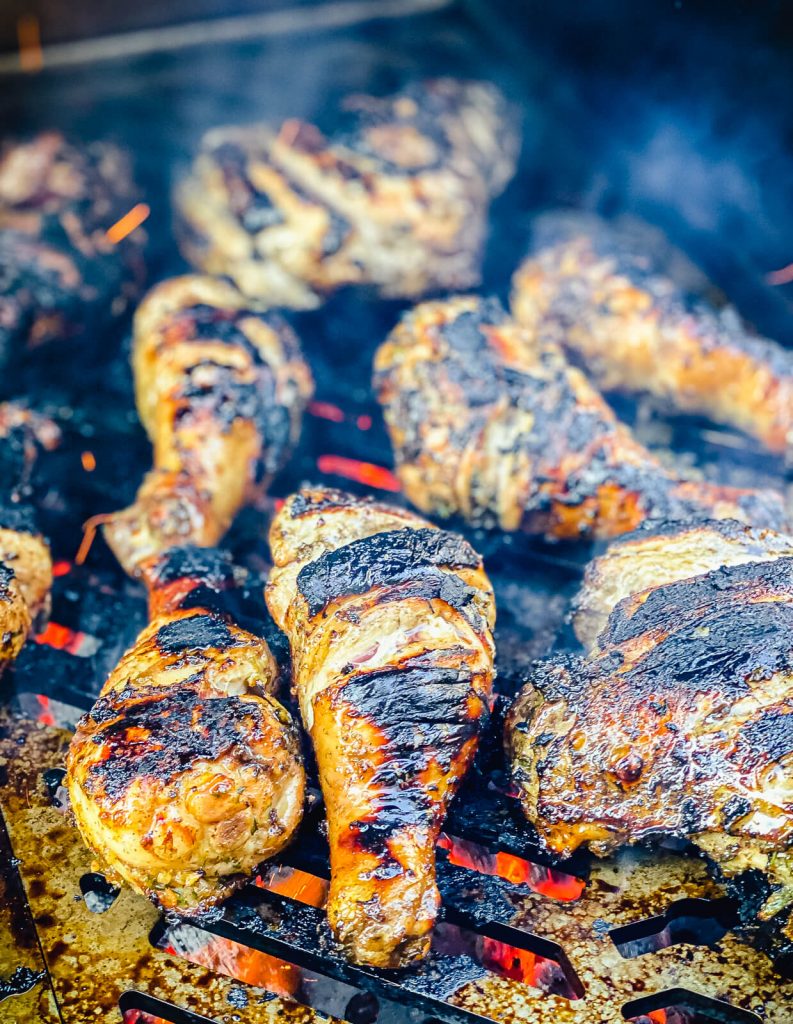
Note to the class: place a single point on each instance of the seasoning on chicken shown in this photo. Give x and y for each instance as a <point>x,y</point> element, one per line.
<point>221,386</point>
<point>488,421</point>
<point>679,725</point>
<point>389,621</point>
<point>396,197</point>
<point>186,774</point>
<point>658,553</point>
<point>62,276</point>
<point>599,292</point>
<point>25,579</point>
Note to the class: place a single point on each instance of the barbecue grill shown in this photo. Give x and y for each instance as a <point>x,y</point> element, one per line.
<point>648,936</point>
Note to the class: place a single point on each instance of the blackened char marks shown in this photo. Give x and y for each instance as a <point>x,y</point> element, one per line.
<point>188,562</point>
<point>426,711</point>
<point>380,560</point>
<point>195,633</point>
<point>672,602</point>
<point>254,208</point>
<point>720,652</point>
<point>6,577</point>
<point>771,734</point>
<point>305,503</point>
<point>163,735</point>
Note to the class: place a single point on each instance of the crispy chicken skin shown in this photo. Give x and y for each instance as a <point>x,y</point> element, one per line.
<point>221,386</point>
<point>597,290</point>
<point>186,774</point>
<point>679,725</point>
<point>488,421</point>
<point>62,276</point>
<point>25,579</point>
<point>659,553</point>
<point>396,198</point>
<point>389,621</point>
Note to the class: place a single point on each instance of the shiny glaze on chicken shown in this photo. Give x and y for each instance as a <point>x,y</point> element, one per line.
<point>658,553</point>
<point>396,198</point>
<point>679,725</point>
<point>62,276</point>
<point>488,421</point>
<point>186,774</point>
<point>597,290</point>
<point>389,621</point>
<point>220,387</point>
<point>25,579</point>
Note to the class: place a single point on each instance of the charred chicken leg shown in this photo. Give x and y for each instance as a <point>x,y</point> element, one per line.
<point>389,620</point>
<point>679,724</point>
<point>596,289</point>
<point>488,421</point>
<point>221,386</point>
<point>186,774</point>
<point>396,198</point>
<point>25,579</point>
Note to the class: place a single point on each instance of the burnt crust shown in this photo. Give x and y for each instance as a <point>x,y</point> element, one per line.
<point>195,633</point>
<point>384,559</point>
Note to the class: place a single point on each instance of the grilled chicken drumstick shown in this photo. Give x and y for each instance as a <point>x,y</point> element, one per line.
<point>25,579</point>
<point>62,274</point>
<point>679,724</point>
<point>488,421</point>
<point>397,198</point>
<point>186,774</point>
<point>221,386</point>
<point>389,620</point>
<point>597,290</point>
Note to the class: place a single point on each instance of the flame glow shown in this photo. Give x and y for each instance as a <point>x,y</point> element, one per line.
<point>126,225</point>
<point>61,637</point>
<point>88,460</point>
<point>362,472</point>
<point>558,885</point>
<point>326,411</point>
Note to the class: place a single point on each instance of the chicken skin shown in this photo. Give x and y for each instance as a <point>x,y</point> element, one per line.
<point>488,421</point>
<point>25,579</point>
<point>397,197</point>
<point>596,289</point>
<point>659,553</point>
<point>389,621</point>
<point>221,386</point>
<point>62,275</point>
<point>186,774</point>
<point>679,725</point>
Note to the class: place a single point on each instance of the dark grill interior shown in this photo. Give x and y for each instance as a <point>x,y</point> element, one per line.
<point>650,937</point>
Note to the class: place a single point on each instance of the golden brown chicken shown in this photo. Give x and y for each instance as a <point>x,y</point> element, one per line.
<point>396,198</point>
<point>488,421</point>
<point>62,275</point>
<point>25,579</point>
<point>220,386</point>
<point>389,621</point>
<point>658,553</point>
<point>186,774</point>
<point>596,290</point>
<point>679,725</point>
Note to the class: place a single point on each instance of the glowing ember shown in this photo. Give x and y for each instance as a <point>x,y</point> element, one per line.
<point>556,884</point>
<point>62,638</point>
<point>61,568</point>
<point>88,460</point>
<point>783,276</point>
<point>299,885</point>
<point>31,57</point>
<point>362,472</point>
<point>90,527</point>
<point>364,423</point>
<point>127,224</point>
<point>326,411</point>
<point>46,717</point>
<point>250,966</point>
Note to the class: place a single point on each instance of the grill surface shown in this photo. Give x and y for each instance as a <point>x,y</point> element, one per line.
<point>519,941</point>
